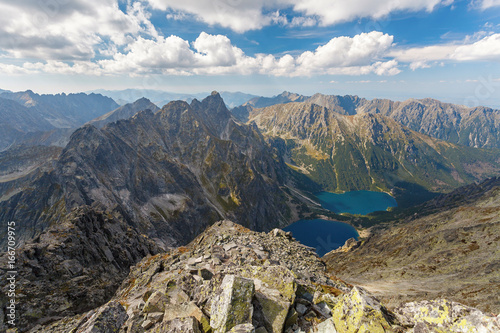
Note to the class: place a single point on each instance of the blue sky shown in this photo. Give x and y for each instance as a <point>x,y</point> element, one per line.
<point>398,49</point>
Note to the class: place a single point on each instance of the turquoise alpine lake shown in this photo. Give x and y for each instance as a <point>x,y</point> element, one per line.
<point>323,235</point>
<point>356,202</point>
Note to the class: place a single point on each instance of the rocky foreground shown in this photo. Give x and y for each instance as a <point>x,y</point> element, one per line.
<point>230,279</point>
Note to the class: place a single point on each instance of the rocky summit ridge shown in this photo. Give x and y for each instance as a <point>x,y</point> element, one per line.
<point>231,279</point>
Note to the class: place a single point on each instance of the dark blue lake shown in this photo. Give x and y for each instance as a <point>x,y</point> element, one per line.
<point>356,202</point>
<point>323,235</point>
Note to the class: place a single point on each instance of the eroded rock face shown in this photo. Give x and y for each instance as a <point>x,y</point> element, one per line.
<point>230,279</point>
<point>75,266</point>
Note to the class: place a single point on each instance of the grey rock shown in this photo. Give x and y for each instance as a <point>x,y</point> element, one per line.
<point>242,328</point>
<point>108,318</point>
<point>178,325</point>
<point>233,306</point>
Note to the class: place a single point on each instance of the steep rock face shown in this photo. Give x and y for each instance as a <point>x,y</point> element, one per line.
<point>448,248</point>
<point>475,127</point>
<point>169,174</point>
<point>230,279</point>
<point>74,265</point>
<point>369,151</point>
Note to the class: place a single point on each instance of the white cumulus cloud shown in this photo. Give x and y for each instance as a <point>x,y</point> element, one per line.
<point>216,55</point>
<point>68,30</point>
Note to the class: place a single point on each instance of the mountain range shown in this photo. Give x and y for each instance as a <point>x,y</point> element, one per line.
<point>370,152</point>
<point>27,117</point>
<point>141,185</point>
<point>169,174</point>
<point>476,127</point>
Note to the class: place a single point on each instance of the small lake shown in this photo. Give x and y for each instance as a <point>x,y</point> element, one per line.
<point>323,235</point>
<point>356,202</point>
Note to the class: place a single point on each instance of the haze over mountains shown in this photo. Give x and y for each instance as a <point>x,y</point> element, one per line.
<point>160,98</point>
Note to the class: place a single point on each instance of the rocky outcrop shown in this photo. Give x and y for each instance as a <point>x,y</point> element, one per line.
<point>230,279</point>
<point>74,266</point>
<point>446,248</point>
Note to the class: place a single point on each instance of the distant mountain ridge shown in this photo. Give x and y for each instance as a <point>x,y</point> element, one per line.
<point>32,118</point>
<point>59,137</point>
<point>160,98</point>
<point>124,112</point>
<point>62,110</point>
<point>476,127</point>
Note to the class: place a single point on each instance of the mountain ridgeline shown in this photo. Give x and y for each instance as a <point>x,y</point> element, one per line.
<point>370,152</point>
<point>169,174</point>
<point>475,127</point>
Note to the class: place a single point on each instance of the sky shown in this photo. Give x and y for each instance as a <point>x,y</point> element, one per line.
<point>397,49</point>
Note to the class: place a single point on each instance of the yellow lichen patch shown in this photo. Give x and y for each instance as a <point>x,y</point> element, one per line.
<point>355,314</point>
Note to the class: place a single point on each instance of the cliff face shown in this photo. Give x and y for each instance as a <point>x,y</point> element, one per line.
<point>370,151</point>
<point>230,279</point>
<point>169,174</point>
<point>448,249</point>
